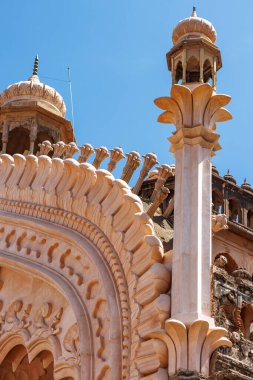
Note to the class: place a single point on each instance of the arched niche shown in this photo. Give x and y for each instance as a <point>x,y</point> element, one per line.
<point>17,366</point>
<point>192,70</point>
<point>235,212</point>
<point>207,71</point>
<point>18,140</point>
<point>179,72</point>
<point>84,310</point>
<point>247,317</point>
<point>217,200</point>
<point>250,218</point>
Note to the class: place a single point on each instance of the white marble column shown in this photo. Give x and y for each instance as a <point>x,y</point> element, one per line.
<point>194,110</point>
<point>192,235</point>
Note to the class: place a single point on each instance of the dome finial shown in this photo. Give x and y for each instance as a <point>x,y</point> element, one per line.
<point>36,65</point>
<point>194,11</point>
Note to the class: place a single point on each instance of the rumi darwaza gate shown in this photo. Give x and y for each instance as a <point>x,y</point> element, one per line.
<point>94,274</point>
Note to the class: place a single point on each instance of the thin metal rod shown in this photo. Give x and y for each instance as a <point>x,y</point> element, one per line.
<point>71,97</point>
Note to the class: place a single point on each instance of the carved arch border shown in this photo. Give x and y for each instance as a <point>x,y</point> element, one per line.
<point>104,210</point>
<point>38,344</point>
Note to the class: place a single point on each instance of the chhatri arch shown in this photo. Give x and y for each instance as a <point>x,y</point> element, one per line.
<point>80,237</point>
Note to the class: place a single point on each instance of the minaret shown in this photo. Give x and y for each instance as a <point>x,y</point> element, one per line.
<point>194,108</point>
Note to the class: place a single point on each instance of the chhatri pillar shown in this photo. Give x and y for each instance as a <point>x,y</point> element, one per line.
<point>194,108</point>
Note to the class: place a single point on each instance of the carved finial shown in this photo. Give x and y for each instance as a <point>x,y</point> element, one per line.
<point>36,65</point>
<point>133,161</point>
<point>194,11</point>
<point>160,196</point>
<point>116,155</point>
<point>86,151</point>
<point>59,149</point>
<point>164,172</point>
<point>101,154</point>
<point>71,149</point>
<point>45,148</point>
<point>150,160</point>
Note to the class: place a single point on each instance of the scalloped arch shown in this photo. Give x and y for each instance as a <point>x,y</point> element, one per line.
<point>104,210</point>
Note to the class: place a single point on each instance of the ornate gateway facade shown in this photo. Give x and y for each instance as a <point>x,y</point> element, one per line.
<point>94,274</point>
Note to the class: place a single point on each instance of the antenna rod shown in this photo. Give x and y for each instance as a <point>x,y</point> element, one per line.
<point>71,96</point>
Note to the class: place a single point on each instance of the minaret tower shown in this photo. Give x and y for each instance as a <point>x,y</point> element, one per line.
<point>194,108</point>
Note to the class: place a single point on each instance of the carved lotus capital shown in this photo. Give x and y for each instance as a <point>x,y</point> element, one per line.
<point>190,347</point>
<point>194,112</point>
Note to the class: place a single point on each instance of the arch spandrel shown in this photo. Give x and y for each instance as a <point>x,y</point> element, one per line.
<point>66,198</point>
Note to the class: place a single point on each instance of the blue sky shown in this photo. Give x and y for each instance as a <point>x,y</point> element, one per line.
<point>116,50</point>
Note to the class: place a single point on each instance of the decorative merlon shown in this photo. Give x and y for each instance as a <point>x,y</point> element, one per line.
<point>71,149</point>
<point>164,172</point>
<point>150,160</point>
<point>86,151</point>
<point>160,196</point>
<point>133,162</point>
<point>101,154</point>
<point>116,155</point>
<point>45,148</point>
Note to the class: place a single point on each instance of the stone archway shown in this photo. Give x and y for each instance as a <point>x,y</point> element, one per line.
<point>63,204</point>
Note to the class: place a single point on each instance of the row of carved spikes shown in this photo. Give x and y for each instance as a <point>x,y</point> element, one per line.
<point>160,193</point>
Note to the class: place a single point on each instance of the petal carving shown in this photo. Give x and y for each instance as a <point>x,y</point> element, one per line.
<point>167,118</point>
<point>196,337</point>
<point>183,96</point>
<point>201,96</point>
<point>216,102</point>
<point>219,116</point>
<point>165,103</point>
<point>215,338</point>
<point>177,331</point>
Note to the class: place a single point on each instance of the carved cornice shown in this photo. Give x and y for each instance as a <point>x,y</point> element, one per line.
<point>198,135</point>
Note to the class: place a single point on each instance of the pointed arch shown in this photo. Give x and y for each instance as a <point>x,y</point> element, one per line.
<point>207,69</point>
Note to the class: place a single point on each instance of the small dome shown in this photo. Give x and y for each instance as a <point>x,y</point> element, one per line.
<point>33,90</point>
<point>194,26</point>
<point>214,170</point>
<point>228,177</point>
<point>246,186</point>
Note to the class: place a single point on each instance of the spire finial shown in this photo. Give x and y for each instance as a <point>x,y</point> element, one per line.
<point>194,11</point>
<point>36,65</point>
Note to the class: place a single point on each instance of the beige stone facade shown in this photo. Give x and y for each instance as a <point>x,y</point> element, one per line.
<point>103,281</point>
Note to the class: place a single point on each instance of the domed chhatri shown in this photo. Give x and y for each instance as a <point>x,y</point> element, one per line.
<point>33,90</point>
<point>32,112</point>
<point>194,26</point>
<point>194,57</point>
<point>247,186</point>
<point>228,177</point>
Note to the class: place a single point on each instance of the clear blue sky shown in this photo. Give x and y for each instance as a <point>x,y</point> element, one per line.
<point>116,50</point>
